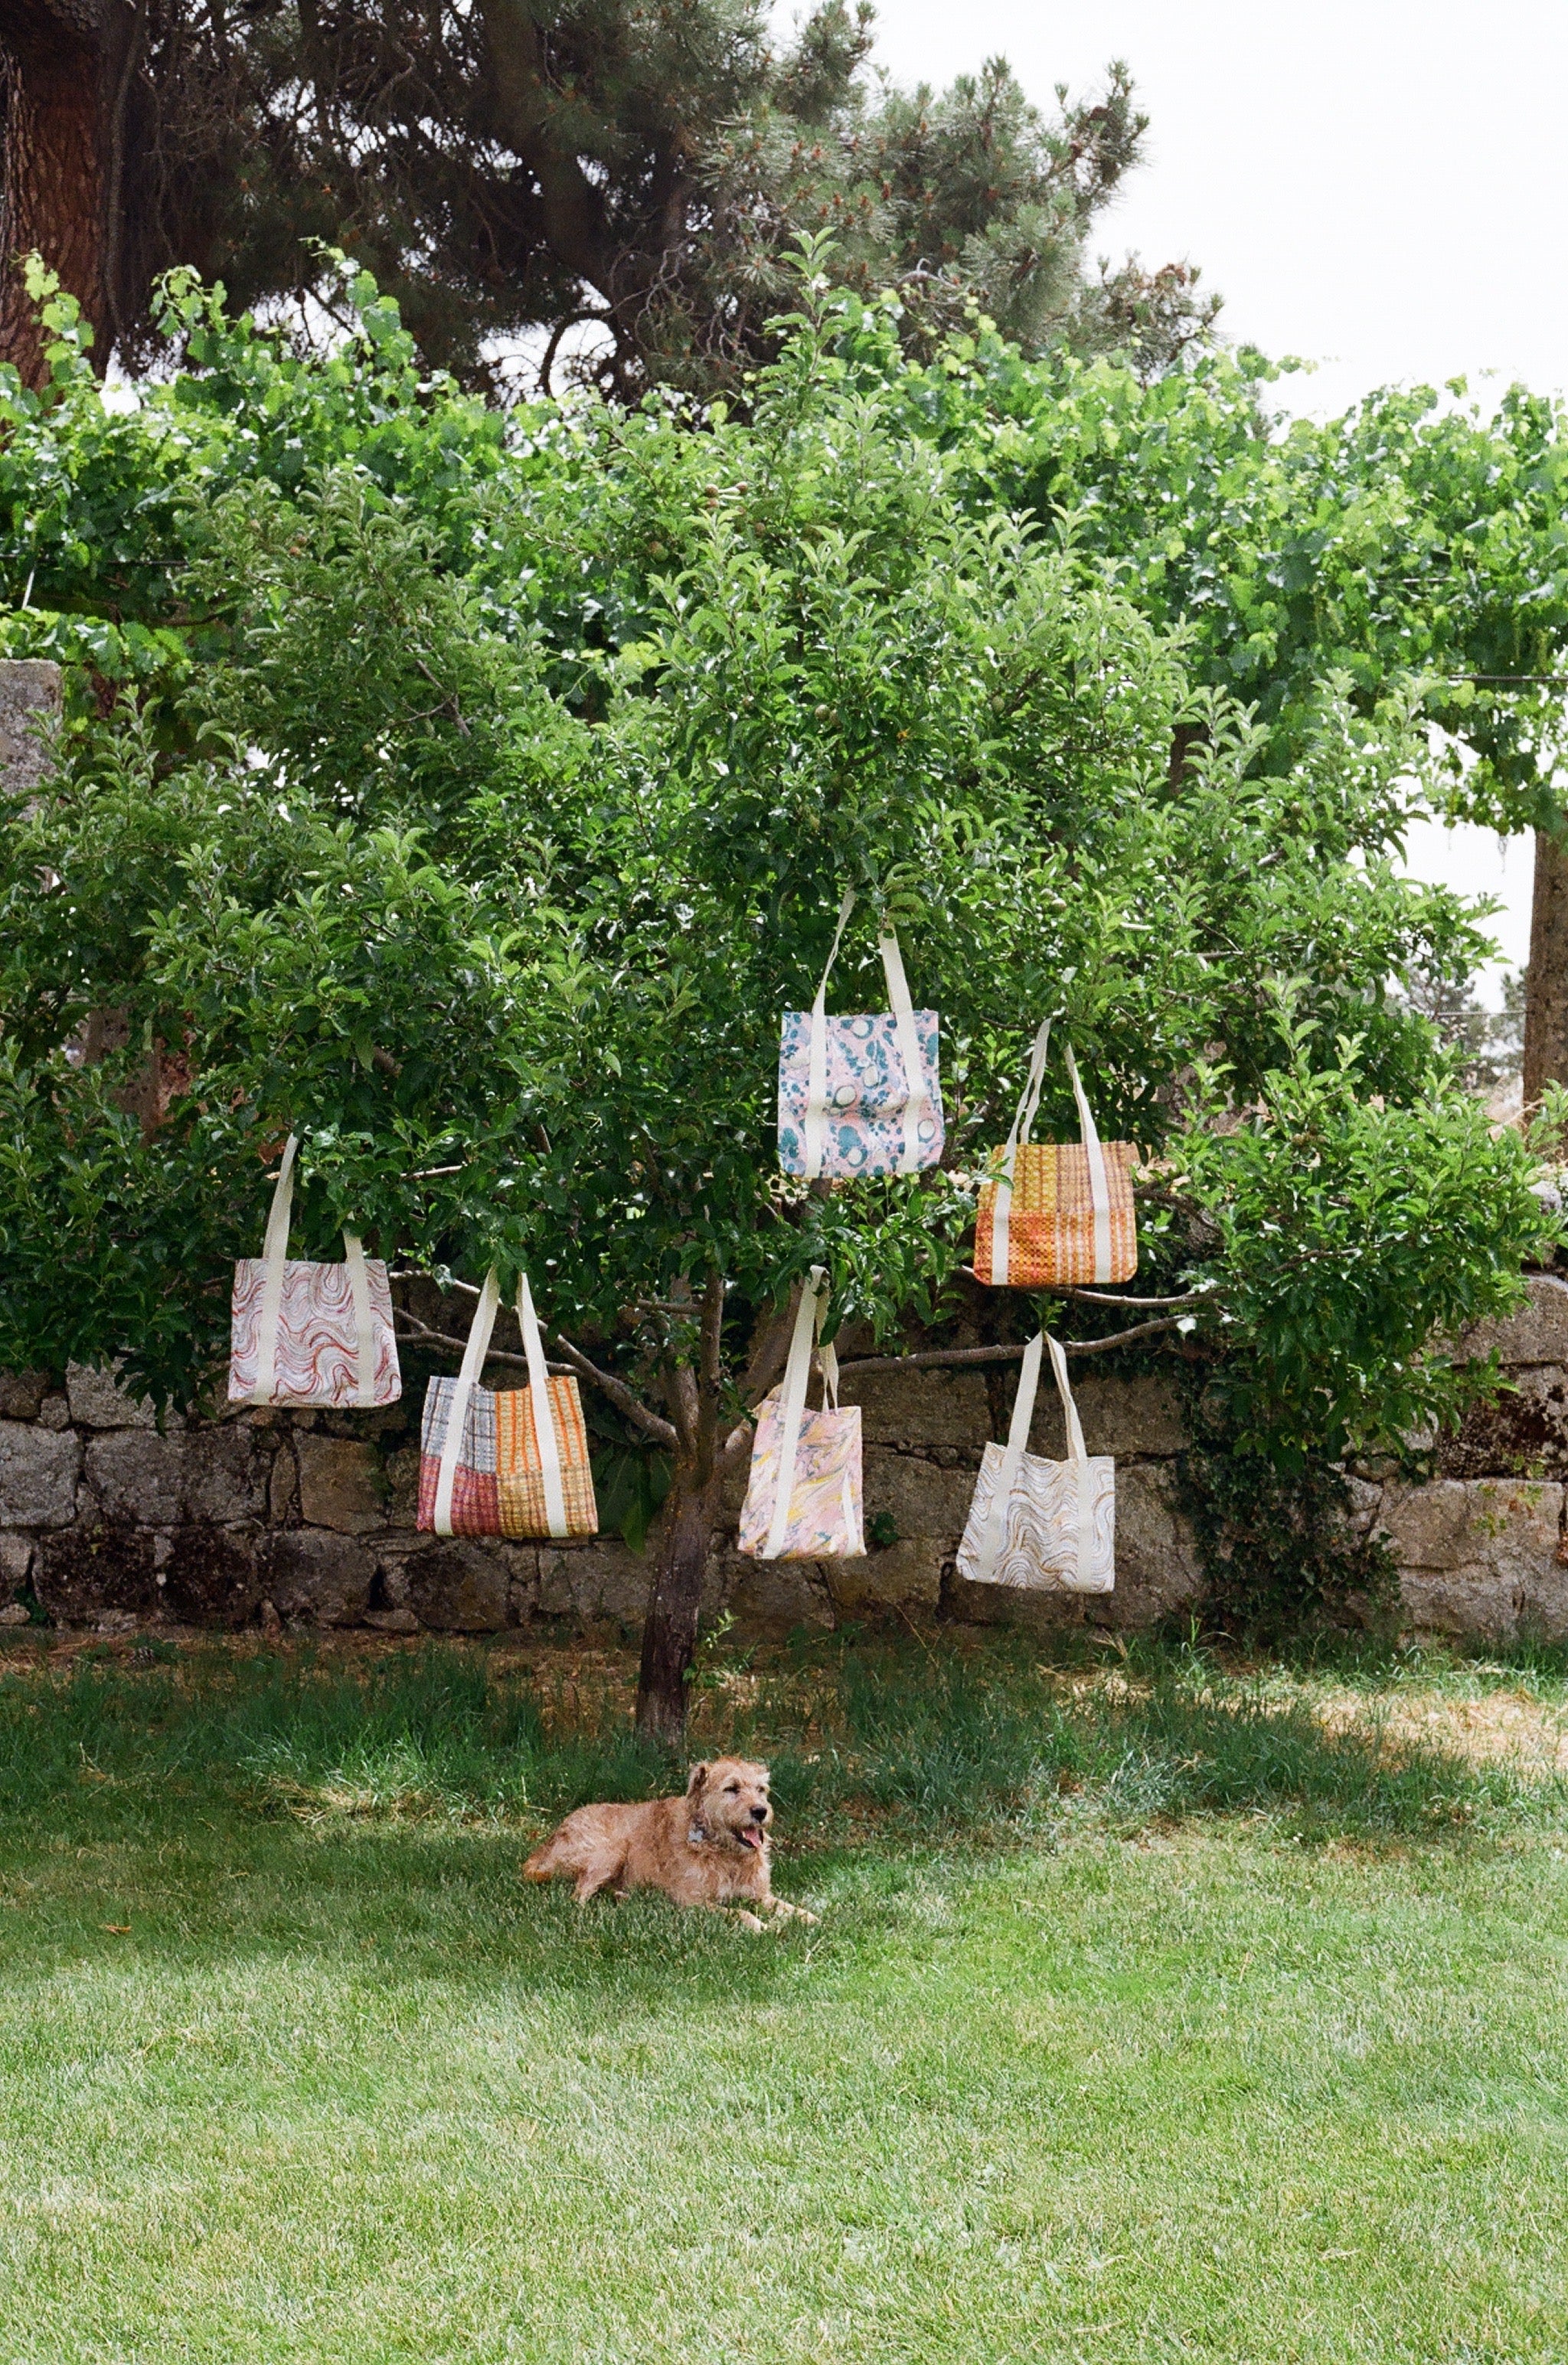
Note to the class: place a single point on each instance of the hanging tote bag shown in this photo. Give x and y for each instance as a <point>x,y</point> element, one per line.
<point>1056,1215</point>
<point>860,1095</point>
<point>1038,1526</point>
<point>310,1334</point>
<point>814,1511</point>
<point>489,1466</point>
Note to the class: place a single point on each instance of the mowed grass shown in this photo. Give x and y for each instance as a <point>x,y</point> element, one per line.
<point>1157,2011</point>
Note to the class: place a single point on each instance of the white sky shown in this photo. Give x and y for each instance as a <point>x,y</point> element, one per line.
<point>1381,188</point>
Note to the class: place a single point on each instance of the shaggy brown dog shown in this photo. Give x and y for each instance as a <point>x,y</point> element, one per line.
<point>708,1847</point>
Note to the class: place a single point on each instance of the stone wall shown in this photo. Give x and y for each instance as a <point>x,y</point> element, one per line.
<point>309,1517</point>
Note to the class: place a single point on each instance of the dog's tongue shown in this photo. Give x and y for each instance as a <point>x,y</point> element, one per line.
<point>747,1839</point>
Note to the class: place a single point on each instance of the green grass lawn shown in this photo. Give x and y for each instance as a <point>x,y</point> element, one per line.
<point>1156,2012</point>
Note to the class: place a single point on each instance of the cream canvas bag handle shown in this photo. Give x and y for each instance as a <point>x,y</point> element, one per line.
<point>275,1257</point>
<point>1099,1182</point>
<point>917,1101</point>
<point>1013,1460</point>
<point>474,1355</point>
<point>544,1410</point>
<point>1002,1207</point>
<point>797,1373</point>
<point>816,1053</point>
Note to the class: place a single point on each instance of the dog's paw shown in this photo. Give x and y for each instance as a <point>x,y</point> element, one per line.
<point>749,1920</point>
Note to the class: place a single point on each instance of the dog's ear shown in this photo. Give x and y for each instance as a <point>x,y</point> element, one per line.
<point>697,1781</point>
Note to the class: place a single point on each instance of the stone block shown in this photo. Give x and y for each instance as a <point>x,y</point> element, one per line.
<point>594,1581</point>
<point>210,1576</point>
<point>906,1575</point>
<point>323,1579</point>
<point>80,1576</point>
<point>456,1586</point>
<point>283,1484</point>
<point>39,1470</point>
<point>775,1598</point>
<point>29,703</point>
<point>402,1472</point>
<point>1479,1557</point>
<point>1127,1417</point>
<point>1522,1433</point>
<point>921,1408</point>
<point>341,1485</point>
<point>15,1561</point>
<point>920,1498</point>
<point>1537,1333</point>
<point>226,1476</point>
<point>54,1413</point>
<point>1157,1569</point>
<point>98,1400</point>
<point>136,1478</point>
<point>22,1394</point>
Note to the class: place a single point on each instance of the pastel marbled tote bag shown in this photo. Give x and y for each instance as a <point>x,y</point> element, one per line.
<point>310,1334</point>
<point>803,1499</point>
<point>1039,1525</point>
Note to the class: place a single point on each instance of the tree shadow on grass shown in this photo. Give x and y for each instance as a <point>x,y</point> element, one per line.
<point>376,1816</point>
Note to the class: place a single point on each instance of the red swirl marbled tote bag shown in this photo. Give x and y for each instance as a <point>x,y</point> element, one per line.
<point>310,1334</point>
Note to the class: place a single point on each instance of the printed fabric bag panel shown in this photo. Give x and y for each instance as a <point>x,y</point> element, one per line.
<point>301,1333</point>
<point>1056,1215</point>
<point>520,1466</point>
<point>1040,1526</point>
<point>860,1095</point>
<point>495,1474</point>
<point>475,1508</point>
<point>819,1514</point>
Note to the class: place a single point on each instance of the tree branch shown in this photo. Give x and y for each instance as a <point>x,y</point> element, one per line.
<point>662,1432</point>
<point>944,1355</point>
<point>620,1394</point>
<point>573,209</point>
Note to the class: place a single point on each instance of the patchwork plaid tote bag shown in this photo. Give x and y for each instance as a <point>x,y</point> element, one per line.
<point>310,1334</point>
<point>1056,1215</point>
<point>1039,1525</point>
<point>803,1498</point>
<point>512,1462</point>
<point>860,1095</point>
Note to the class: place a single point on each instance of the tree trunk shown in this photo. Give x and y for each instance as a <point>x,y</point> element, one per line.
<point>669,1637</point>
<point>1546,981</point>
<point>55,165</point>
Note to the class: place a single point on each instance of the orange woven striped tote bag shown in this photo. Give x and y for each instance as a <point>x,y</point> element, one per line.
<point>1056,1215</point>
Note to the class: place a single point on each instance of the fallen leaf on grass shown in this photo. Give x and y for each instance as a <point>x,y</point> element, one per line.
<point>116,1929</point>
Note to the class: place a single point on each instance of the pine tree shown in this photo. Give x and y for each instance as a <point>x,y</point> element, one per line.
<point>635,169</point>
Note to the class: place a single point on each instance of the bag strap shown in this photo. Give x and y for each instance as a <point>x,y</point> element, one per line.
<point>467,1379</point>
<point>816,1053</point>
<point>1023,1118</point>
<point>1099,1181</point>
<point>917,1101</point>
<point>364,1328</point>
<point>274,1256</point>
<point>1078,1458</point>
<point>797,1373</point>
<point>1011,1459</point>
<point>544,1410</point>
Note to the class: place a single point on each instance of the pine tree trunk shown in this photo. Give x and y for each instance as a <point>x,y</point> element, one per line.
<point>1546,981</point>
<point>669,1636</point>
<point>54,168</point>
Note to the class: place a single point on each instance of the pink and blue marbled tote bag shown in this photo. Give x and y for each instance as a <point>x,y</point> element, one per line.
<point>860,1095</point>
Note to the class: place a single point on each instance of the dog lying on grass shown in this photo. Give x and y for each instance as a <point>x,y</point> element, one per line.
<point>707,1847</point>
